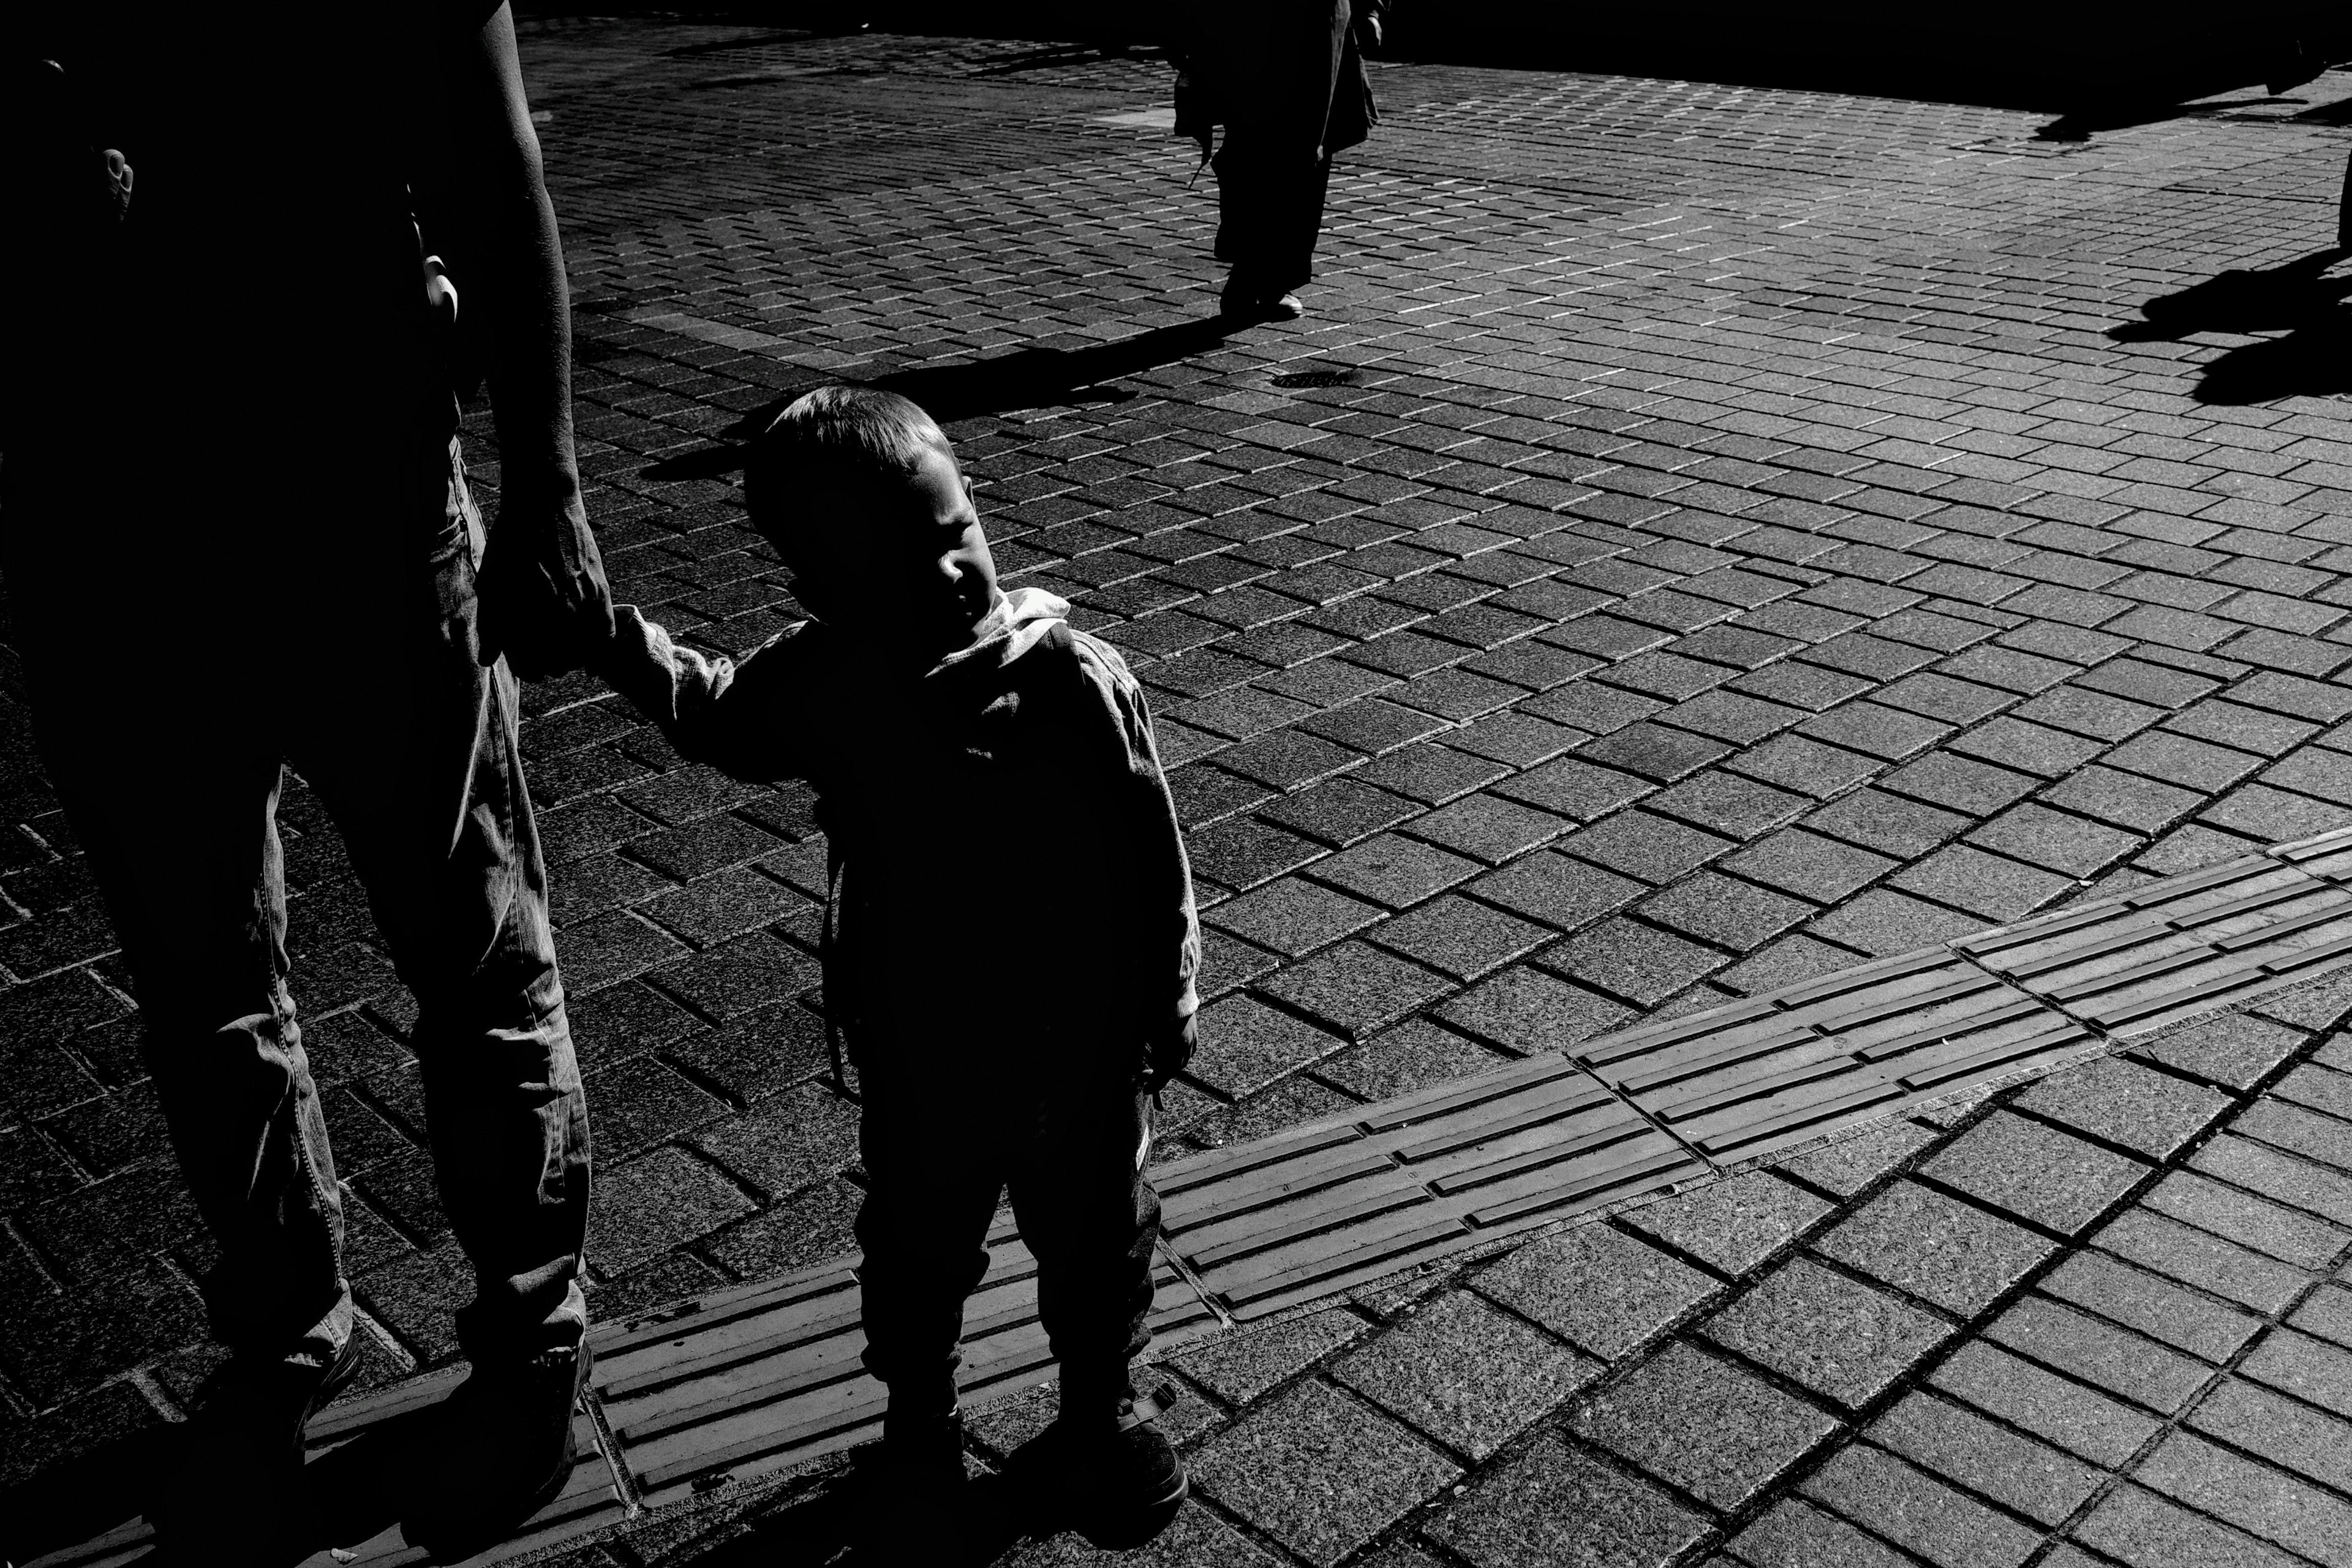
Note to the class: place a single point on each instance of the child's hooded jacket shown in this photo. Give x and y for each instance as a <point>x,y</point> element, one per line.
<point>1004,851</point>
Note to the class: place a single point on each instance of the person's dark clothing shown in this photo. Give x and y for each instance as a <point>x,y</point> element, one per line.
<point>1010,921</point>
<point>1287,83</point>
<point>236,536</point>
<point>167,698</point>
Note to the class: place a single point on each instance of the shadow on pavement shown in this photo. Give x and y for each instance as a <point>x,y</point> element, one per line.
<point>2297,297</point>
<point>1026,378</point>
<point>348,1497</point>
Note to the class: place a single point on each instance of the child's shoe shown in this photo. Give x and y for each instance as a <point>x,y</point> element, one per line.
<point>915,1500</point>
<point>1119,1469</point>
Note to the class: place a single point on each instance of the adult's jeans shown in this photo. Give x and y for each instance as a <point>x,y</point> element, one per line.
<point>185,636</point>
<point>951,1126</point>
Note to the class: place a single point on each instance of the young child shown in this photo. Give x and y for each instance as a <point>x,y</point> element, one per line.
<point>1010,943</point>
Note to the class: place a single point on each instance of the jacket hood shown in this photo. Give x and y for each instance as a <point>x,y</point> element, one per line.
<point>1017,623</point>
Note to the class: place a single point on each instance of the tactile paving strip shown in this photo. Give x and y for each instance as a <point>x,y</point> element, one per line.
<point>765,1375</point>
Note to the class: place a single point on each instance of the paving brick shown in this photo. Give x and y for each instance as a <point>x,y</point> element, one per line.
<point>1845,1166</point>
<point>1338,812</point>
<point>1393,870</point>
<point>1729,805</point>
<point>1489,827</point>
<point>1243,854</point>
<point>1884,923</point>
<point>2040,837</point>
<point>2258,1499</point>
<point>2013,742</point>
<point>1710,1428</point>
<point>2142,1530</point>
<point>1556,890</point>
<point>2206,1261</point>
<point>1355,988</point>
<point>1240,1367</point>
<point>2319,1087</point>
<point>1523,1011</point>
<point>1913,1509</point>
<point>1573,787</point>
<point>1292,916</point>
<point>1959,783</point>
<point>2307,1441</point>
<point>1959,1446</point>
<point>1246,1045</point>
<point>1414,1371</point>
<point>1991,886</point>
<point>2034,1171</point>
<point>1810,866</point>
<point>1318,1471</point>
<point>2150,1113</point>
<point>2156,1308</point>
<point>1431,774</point>
<point>2075,1417</point>
<point>1796,1534</point>
<point>1639,844</point>
<point>2327,1312</point>
<point>1415,1055</point>
<point>1597,1286</point>
<point>1554,1507</point>
<point>2250,1221</point>
<point>1836,1336</point>
<point>2312,1369</point>
<point>1642,964</point>
<point>2234,1050</point>
<point>2280,1176</point>
<point>1886,822</point>
<point>1731,1225</point>
<point>2108,1358</point>
<point>1943,1251</point>
<point>1460,938</point>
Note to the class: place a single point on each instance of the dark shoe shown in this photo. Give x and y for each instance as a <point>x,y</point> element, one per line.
<point>915,1497</point>
<point>496,1452</point>
<point>1118,1469</point>
<point>240,1464</point>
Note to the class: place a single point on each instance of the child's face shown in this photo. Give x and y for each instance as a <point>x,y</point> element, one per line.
<point>921,572</point>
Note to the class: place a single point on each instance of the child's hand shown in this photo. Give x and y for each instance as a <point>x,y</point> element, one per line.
<point>1169,1051</point>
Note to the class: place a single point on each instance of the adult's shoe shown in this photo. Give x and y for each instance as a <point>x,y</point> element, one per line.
<point>1119,1473</point>
<point>1241,305</point>
<point>496,1452</point>
<point>234,1480</point>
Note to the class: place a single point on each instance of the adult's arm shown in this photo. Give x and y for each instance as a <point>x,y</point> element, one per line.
<point>545,602</point>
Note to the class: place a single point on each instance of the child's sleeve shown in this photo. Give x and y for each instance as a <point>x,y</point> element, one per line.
<point>1167,929</point>
<point>742,718</point>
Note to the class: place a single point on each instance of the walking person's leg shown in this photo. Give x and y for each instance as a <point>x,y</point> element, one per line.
<point>410,742</point>
<point>1270,195</point>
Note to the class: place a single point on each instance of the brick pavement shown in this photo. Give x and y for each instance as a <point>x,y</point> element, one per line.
<point>1706,536</point>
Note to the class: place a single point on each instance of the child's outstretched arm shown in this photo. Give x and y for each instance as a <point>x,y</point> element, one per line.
<point>748,719</point>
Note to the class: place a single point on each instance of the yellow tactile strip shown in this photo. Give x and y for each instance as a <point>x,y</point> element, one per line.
<point>763,1376</point>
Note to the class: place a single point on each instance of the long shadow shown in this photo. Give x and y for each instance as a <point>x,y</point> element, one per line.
<point>1026,378</point>
<point>346,1499</point>
<point>2298,298</point>
<point>821,1525</point>
<point>2081,125</point>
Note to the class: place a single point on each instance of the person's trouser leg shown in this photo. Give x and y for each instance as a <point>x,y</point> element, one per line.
<point>1270,196</point>
<point>410,742</point>
<point>1089,1215</point>
<point>928,1143</point>
<point>165,761</point>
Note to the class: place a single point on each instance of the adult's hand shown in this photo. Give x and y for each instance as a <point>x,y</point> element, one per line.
<point>544,601</point>
<point>1170,1051</point>
<point>1371,32</point>
<point>483,201</point>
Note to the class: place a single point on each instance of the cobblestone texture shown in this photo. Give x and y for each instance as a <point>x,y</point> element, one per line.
<point>1703,537</point>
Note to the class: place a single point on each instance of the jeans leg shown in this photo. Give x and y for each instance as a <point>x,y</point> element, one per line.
<point>410,742</point>
<point>1089,1215</point>
<point>188,861</point>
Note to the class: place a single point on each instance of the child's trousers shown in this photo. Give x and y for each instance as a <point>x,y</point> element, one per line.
<point>947,1130</point>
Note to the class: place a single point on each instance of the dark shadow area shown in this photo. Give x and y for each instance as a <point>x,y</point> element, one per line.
<point>2298,298</point>
<point>348,1497</point>
<point>2082,125</point>
<point>1025,378</point>
<point>821,1523</point>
